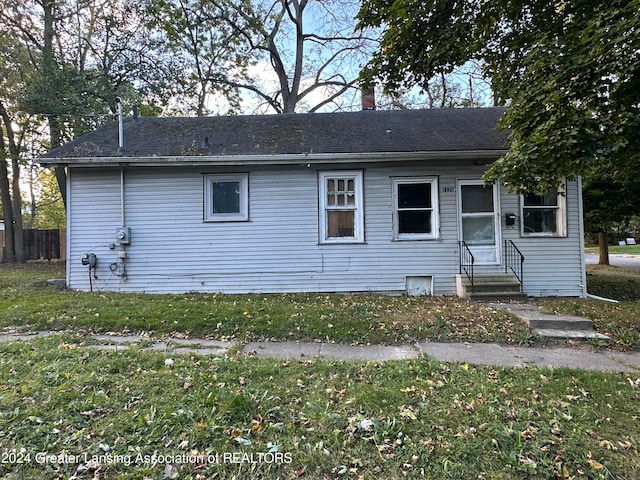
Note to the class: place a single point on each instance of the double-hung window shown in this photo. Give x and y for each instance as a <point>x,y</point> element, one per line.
<point>341,207</point>
<point>415,208</point>
<point>226,197</point>
<point>544,215</point>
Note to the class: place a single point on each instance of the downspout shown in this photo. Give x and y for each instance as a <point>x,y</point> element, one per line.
<point>586,294</point>
<point>602,299</point>
<point>68,229</point>
<point>583,267</point>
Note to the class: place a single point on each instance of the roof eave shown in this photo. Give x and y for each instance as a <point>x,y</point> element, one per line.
<point>285,159</point>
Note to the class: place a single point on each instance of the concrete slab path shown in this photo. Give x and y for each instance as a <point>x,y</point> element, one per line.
<point>578,357</point>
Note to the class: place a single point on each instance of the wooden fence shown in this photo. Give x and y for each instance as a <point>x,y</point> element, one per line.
<point>41,244</point>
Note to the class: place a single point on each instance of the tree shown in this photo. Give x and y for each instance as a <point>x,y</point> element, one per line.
<point>13,128</point>
<point>203,47</point>
<point>13,215</point>
<point>608,202</point>
<point>81,56</point>
<point>569,73</point>
<point>305,53</point>
<point>45,206</point>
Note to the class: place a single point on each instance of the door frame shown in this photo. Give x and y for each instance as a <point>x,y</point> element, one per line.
<point>496,216</point>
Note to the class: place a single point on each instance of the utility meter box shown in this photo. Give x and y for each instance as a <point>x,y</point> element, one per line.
<point>123,235</point>
<point>89,259</point>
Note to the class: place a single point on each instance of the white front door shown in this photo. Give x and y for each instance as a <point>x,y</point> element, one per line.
<point>479,222</point>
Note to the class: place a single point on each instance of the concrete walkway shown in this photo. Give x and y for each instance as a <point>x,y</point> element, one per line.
<point>579,356</point>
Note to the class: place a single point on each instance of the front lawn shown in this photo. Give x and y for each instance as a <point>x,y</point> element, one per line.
<point>620,321</point>
<point>68,410</point>
<point>27,303</point>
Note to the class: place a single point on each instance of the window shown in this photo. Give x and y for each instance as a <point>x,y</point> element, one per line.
<point>415,208</point>
<point>543,215</point>
<point>341,207</point>
<point>226,198</point>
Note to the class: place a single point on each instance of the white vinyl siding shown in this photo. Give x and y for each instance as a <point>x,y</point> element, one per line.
<point>415,212</point>
<point>341,207</point>
<point>553,264</point>
<point>173,251</point>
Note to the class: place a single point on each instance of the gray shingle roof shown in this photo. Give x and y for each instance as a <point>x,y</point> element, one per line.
<point>434,130</point>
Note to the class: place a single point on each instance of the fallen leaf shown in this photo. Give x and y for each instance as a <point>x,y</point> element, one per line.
<point>608,445</point>
<point>595,464</point>
<point>529,432</point>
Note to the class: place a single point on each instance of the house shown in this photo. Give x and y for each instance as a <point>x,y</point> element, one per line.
<point>368,201</point>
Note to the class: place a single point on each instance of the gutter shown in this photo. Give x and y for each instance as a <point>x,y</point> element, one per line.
<point>280,159</point>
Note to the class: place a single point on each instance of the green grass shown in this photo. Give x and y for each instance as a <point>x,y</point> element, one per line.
<point>27,302</point>
<point>326,420</point>
<point>620,321</point>
<point>618,249</point>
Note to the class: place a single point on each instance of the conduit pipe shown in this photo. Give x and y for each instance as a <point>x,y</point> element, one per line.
<point>122,217</point>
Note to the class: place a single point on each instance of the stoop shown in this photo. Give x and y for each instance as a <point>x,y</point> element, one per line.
<point>490,287</point>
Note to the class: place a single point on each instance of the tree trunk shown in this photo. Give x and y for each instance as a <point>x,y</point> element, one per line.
<point>49,71</point>
<point>15,233</point>
<point>18,232</point>
<point>7,209</point>
<point>603,248</point>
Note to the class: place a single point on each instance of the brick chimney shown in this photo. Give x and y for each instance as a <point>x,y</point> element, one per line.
<point>369,98</point>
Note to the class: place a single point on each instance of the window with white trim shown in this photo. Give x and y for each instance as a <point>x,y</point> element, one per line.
<point>226,197</point>
<point>544,215</point>
<point>341,207</point>
<point>415,212</point>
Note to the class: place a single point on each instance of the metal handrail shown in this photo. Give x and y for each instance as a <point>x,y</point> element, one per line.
<point>514,261</point>
<point>467,261</point>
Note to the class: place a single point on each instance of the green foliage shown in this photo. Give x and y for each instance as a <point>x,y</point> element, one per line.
<point>608,202</point>
<point>203,47</point>
<point>50,208</point>
<point>569,72</point>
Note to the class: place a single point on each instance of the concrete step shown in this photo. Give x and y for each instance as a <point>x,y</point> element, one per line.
<point>488,278</point>
<point>493,287</point>
<point>570,334</point>
<point>490,287</point>
<point>506,296</point>
<point>554,326</point>
<point>560,322</point>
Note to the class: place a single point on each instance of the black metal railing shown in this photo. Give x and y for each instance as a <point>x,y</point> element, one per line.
<point>466,261</point>
<point>514,261</point>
